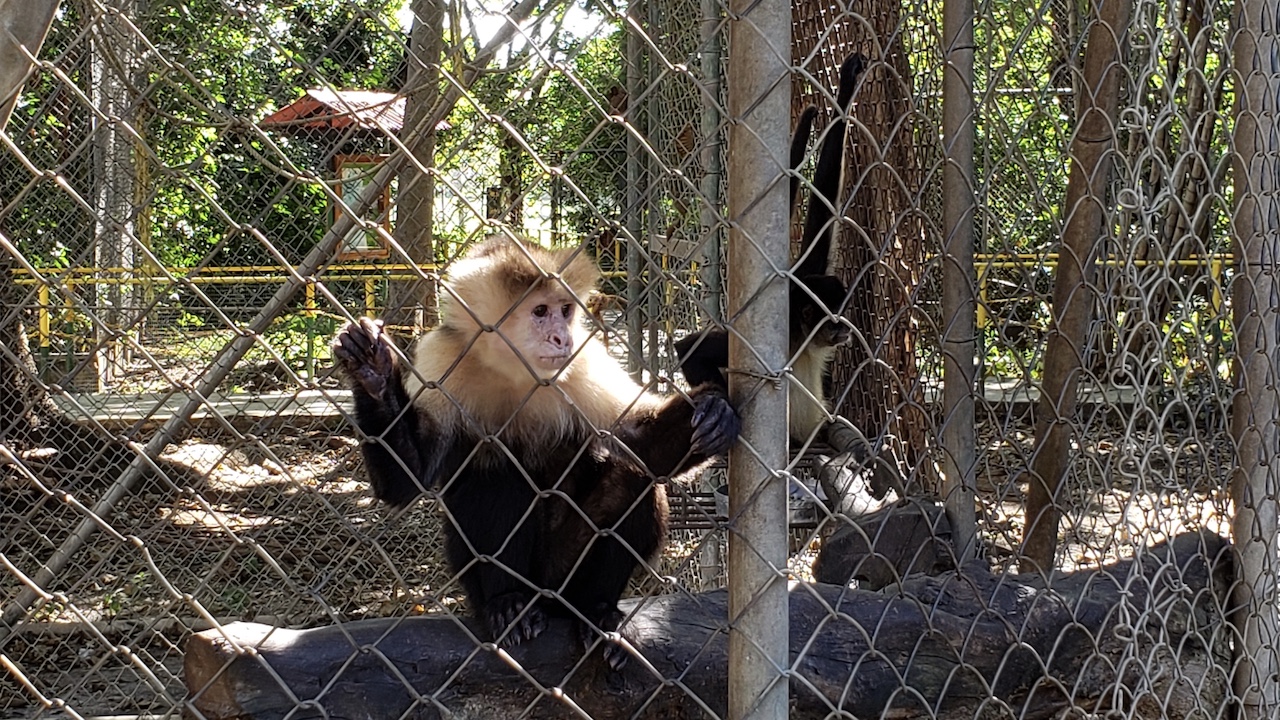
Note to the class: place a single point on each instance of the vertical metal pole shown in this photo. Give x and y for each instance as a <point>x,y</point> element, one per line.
<point>635,283</point>
<point>713,289</point>
<point>114,62</point>
<point>310,314</point>
<point>710,222</point>
<point>759,84</point>
<point>652,212</point>
<point>958,281</point>
<point>1255,413</point>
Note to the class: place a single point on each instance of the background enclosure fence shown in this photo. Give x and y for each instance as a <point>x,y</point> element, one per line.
<point>195,197</point>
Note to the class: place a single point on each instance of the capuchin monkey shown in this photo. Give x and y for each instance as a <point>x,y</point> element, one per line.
<point>817,297</point>
<point>549,459</point>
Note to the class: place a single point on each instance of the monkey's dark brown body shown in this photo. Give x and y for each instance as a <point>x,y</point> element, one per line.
<point>549,459</point>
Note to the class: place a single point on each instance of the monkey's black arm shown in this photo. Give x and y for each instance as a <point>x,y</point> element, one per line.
<point>702,355</point>
<point>401,446</point>
<point>800,141</point>
<point>401,460</point>
<point>815,244</point>
<point>679,433</point>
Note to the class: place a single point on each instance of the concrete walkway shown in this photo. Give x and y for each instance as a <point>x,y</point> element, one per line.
<point>302,408</point>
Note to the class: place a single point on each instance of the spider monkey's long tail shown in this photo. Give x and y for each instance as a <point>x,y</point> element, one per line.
<point>815,244</point>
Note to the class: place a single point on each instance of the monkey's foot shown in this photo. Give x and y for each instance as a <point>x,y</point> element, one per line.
<point>605,619</point>
<point>365,353</point>
<point>510,623</point>
<point>715,423</point>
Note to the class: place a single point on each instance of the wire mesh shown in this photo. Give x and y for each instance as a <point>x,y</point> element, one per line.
<point>184,474</point>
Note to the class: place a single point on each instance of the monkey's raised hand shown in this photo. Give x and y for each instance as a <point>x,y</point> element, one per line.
<point>715,423</point>
<point>366,354</point>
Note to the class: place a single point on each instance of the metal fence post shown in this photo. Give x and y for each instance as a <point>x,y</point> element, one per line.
<point>1255,413</point>
<point>958,290</point>
<point>759,85</point>
<point>632,209</point>
<point>713,291</point>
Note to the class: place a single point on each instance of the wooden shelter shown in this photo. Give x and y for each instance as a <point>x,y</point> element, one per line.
<point>362,118</point>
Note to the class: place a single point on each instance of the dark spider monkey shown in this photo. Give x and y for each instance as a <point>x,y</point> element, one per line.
<point>548,457</point>
<point>817,297</point>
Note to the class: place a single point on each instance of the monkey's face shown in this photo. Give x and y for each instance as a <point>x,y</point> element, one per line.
<point>830,331</point>
<point>817,305</point>
<point>544,331</point>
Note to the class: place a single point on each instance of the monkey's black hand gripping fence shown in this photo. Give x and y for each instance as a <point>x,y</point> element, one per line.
<point>196,199</point>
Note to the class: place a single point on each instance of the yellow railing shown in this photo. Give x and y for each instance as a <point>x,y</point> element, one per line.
<point>371,274</point>
<point>71,278</point>
<point>986,262</point>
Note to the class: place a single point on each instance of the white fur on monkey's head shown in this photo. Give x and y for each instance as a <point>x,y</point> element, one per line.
<point>497,273</point>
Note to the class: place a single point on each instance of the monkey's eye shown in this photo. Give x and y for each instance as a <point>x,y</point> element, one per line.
<point>540,311</point>
<point>567,310</point>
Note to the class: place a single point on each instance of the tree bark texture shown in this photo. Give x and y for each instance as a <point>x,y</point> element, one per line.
<point>1085,223</point>
<point>953,646</point>
<point>23,27</point>
<point>411,303</point>
<point>880,242</point>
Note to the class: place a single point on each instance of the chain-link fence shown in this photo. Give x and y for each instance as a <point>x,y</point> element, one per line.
<point>1006,482</point>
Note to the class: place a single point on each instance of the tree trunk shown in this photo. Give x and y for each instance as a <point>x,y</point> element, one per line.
<point>1085,223</point>
<point>112,88</point>
<point>953,647</point>
<point>24,408</point>
<point>23,404</point>
<point>411,303</point>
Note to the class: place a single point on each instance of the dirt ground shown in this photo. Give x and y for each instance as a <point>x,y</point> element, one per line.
<point>280,529</point>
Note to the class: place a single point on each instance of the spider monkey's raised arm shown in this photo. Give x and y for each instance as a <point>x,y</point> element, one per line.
<point>813,334</point>
<point>815,243</point>
<point>800,141</point>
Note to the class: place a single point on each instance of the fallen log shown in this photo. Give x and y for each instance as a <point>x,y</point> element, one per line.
<point>882,546</point>
<point>950,646</point>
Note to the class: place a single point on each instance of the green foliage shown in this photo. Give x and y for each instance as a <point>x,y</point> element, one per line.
<point>207,173</point>
<point>220,191</point>
<point>560,112</point>
<point>596,149</point>
<point>1023,169</point>
<point>291,336</point>
<point>245,64</point>
<point>1028,81</point>
<point>49,227</point>
<point>116,598</point>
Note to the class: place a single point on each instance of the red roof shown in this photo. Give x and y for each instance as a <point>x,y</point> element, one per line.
<point>325,109</point>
